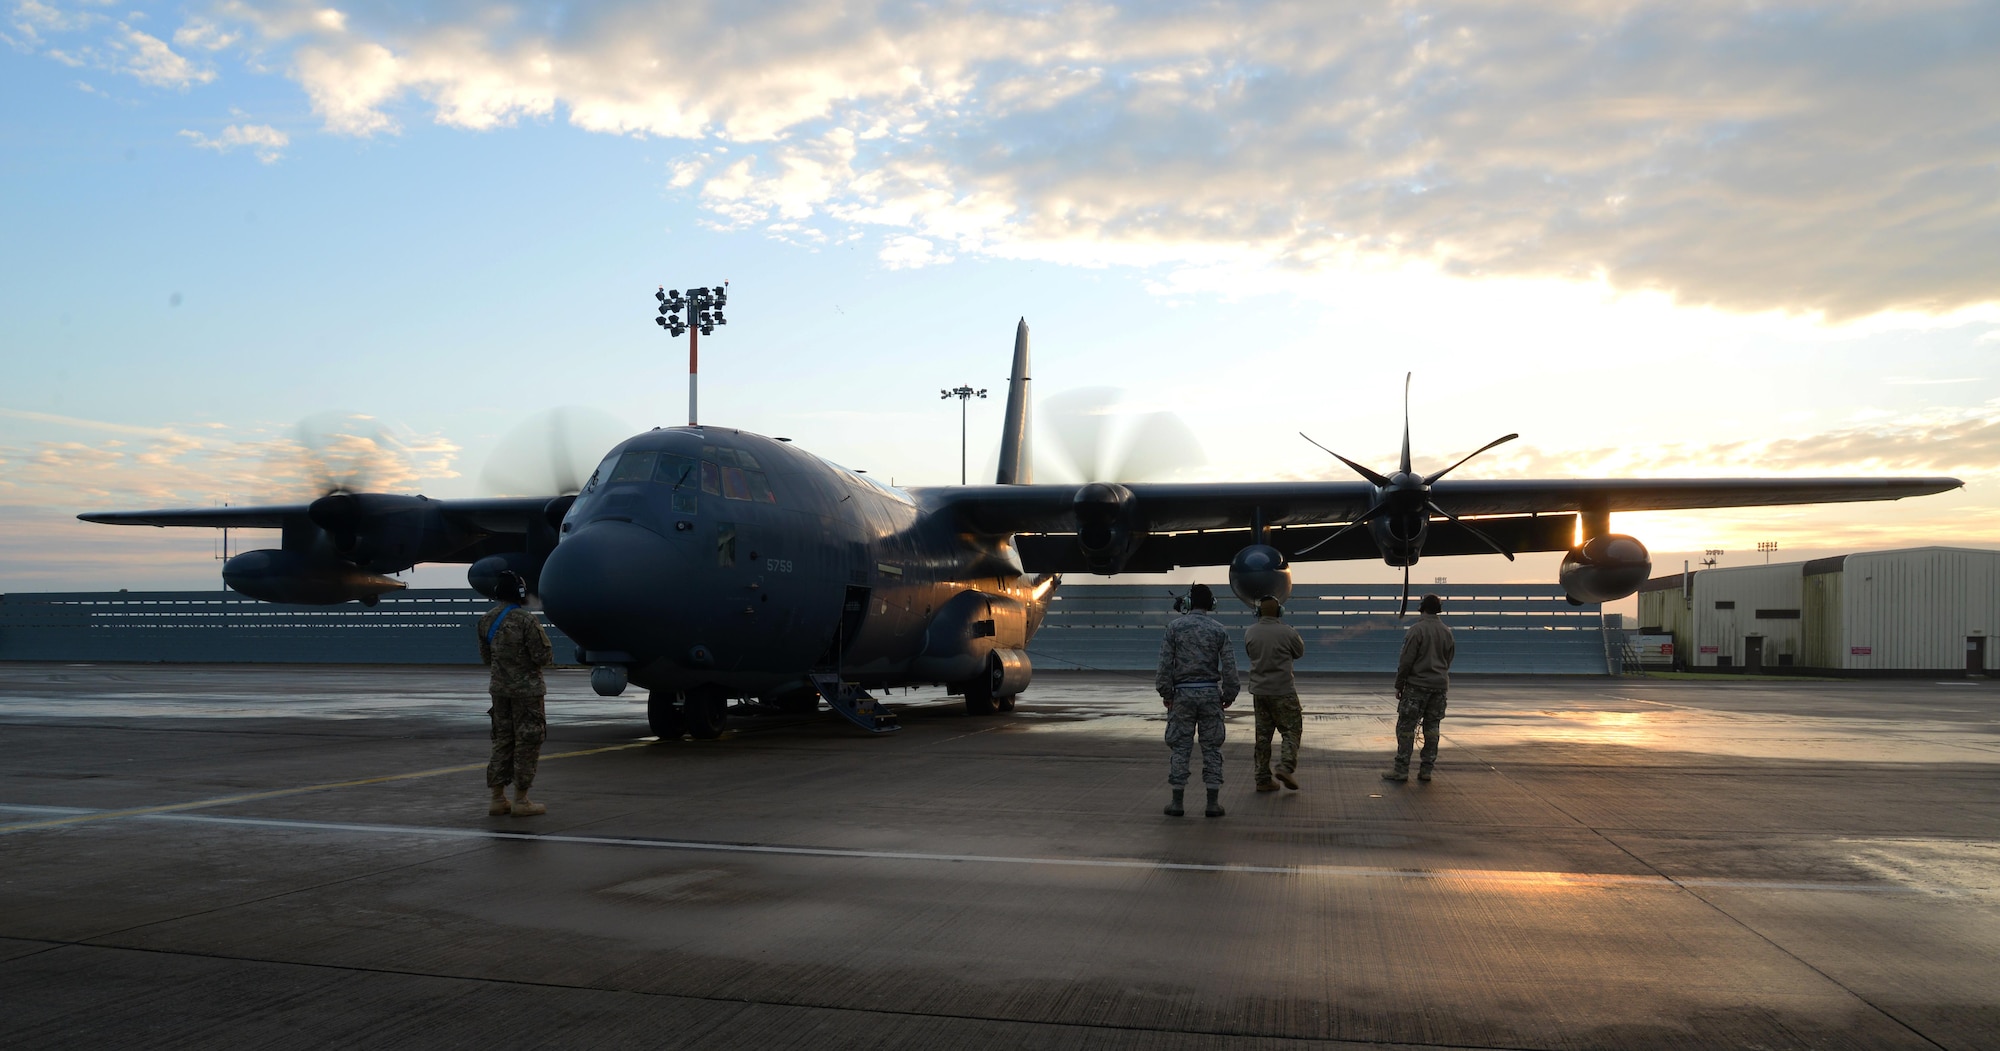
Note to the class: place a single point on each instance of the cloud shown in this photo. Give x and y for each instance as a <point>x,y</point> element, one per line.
<point>152,61</point>
<point>109,44</point>
<point>905,252</point>
<point>1834,159</point>
<point>67,466</point>
<point>267,142</point>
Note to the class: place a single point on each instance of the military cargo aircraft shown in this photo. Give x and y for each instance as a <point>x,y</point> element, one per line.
<point>705,563</point>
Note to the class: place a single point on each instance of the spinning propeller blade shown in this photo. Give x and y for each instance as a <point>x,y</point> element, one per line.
<point>1405,467</point>
<point>1104,438</point>
<point>1467,526</point>
<point>1374,477</point>
<point>1404,609</point>
<point>1343,530</point>
<point>1497,441</point>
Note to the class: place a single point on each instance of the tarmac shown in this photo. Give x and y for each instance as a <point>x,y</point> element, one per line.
<point>267,856</point>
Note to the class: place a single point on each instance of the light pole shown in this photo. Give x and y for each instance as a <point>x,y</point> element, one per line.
<point>1767,546</point>
<point>964,396</point>
<point>704,312</point>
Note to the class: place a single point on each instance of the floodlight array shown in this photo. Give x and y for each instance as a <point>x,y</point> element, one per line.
<point>702,308</point>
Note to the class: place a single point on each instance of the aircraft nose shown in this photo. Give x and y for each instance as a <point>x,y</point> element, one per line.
<point>610,587</point>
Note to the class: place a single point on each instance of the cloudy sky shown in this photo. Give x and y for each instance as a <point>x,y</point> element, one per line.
<point>1655,238</point>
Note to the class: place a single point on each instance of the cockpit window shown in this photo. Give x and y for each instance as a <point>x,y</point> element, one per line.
<point>634,467</point>
<point>726,457</point>
<point>597,475</point>
<point>677,471</point>
<point>760,487</point>
<point>711,478</point>
<point>747,461</point>
<point>734,485</point>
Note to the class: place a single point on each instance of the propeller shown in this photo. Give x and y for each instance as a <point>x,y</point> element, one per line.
<point>343,452</point>
<point>551,453</point>
<point>1406,491</point>
<point>1102,438</point>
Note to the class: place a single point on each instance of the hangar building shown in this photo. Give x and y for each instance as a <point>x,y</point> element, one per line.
<point>1917,610</point>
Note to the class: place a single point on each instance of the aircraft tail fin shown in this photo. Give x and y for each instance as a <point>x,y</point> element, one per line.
<point>1017,465</point>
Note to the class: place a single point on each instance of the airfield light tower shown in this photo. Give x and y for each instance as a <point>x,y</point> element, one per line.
<point>964,396</point>
<point>1767,546</point>
<point>703,311</point>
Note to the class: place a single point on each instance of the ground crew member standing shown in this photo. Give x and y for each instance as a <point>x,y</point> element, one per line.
<point>1273,646</point>
<point>1422,677</point>
<point>513,642</point>
<point>1196,680</point>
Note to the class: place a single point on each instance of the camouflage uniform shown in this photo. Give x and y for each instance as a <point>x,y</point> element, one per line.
<point>1422,679</point>
<point>1273,645</point>
<point>1197,679</point>
<point>518,651</point>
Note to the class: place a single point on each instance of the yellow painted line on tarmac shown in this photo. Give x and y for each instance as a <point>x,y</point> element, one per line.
<point>170,808</point>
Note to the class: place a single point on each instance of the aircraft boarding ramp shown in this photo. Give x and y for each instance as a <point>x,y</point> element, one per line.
<point>1507,629</point>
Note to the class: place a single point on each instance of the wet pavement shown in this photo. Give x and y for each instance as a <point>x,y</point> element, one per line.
<point>300,856</point>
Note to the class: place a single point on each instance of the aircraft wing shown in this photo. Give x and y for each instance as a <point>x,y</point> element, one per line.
<point>271,516</point>
<point>490,515</point>
<point>997,510</point>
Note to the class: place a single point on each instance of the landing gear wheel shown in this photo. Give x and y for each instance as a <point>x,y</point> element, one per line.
<point>980,695</point>
<point>706,710</point>
<point>663,716</point>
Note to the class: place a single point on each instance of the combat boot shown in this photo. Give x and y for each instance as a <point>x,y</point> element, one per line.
<point>1399,773</point>
<point>1214,806</point>
<point>1267,786</point>
<point>1285,778</point>
<point>499,805</point>
<point>524,807</point>
<point>1423,773</point>
<point>1174,808</point>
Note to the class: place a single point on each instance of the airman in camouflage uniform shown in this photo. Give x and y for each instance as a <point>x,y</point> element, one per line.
<point>513,642</point>
<point>1422,678</point>
<point>1273,645</point>
<point>1196,681</point>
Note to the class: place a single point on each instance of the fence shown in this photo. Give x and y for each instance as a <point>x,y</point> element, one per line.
<point>1518,629</point>
<point>1506,629</point>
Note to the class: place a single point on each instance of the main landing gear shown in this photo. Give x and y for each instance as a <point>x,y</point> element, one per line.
<point>699,713</point>
<point>982,696</point>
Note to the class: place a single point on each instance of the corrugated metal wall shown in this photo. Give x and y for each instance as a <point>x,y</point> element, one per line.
<point>1511,628</point>
<point>1666,608</point>
<point>1824,632</point>
<point>1916,608</point>
<point>1721,632</point>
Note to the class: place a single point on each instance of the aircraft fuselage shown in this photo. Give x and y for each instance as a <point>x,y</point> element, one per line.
<point>716,558</point>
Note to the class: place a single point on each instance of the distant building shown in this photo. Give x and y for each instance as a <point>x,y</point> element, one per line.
<point>1922,610</point>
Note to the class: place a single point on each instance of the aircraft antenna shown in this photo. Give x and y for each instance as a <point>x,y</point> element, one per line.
<point>703,311</point>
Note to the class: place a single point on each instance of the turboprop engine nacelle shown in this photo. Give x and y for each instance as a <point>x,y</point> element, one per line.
<point>484,575</point>
<point>290,576</point>
<point>1604,569</point>
<point>1260,570</point>
<point>381,531</point>
<point>1107,525</point>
